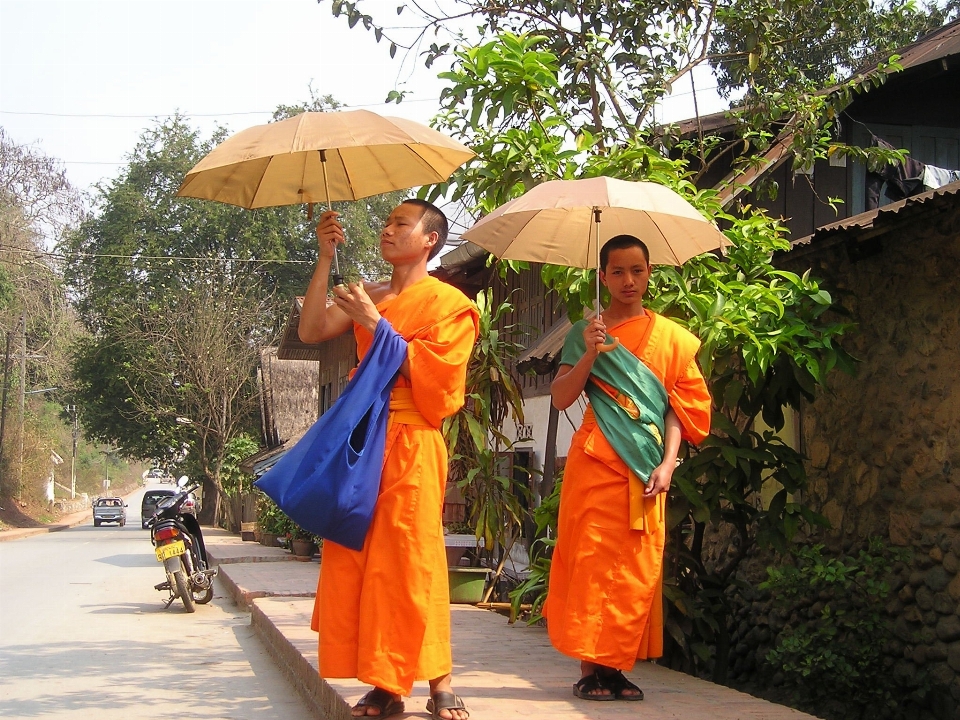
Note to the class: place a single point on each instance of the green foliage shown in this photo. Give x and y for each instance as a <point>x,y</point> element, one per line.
<point>831,650</point>
<point>534,588</point>
<point>234,480</point>
<point>560,76</point>
<point>763,40</point>
<point>474,434</point>
<point>271,518</point>
<point>6,289</point>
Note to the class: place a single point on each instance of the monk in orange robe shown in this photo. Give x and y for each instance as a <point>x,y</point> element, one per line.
<point>604,601</point>
<point>383,613</point>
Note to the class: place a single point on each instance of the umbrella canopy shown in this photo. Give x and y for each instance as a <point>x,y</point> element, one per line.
<point>556,223</point>
<point>319,157</point>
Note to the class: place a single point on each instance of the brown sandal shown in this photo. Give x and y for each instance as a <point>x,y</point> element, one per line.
<point>584,688</point>
<point>618,683</point>
<point>383,701</point>
<point>440,701</point>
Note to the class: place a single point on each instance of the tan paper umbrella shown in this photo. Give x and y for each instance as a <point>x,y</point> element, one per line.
<point>284,163</point>
<point>566,222</point>
<point>321,157</point>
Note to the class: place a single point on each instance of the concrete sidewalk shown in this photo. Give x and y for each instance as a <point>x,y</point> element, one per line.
<point>501,671</point>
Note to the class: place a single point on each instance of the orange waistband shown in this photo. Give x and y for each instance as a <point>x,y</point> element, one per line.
<point>588,417</point>
<point>402,408</point>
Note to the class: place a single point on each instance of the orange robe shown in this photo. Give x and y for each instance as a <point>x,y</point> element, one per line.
<point>604,603</point>
<point>383,613</point>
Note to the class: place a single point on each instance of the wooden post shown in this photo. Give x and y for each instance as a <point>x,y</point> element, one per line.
<point>3,403</point>
<point>550,453</point>
<point>23,396</point>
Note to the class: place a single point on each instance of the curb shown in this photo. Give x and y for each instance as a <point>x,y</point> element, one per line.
<point>319,696</point>
<point>214,560</point>
<point>244,598</point>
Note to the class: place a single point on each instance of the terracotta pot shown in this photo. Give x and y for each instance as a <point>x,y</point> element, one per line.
<point>303,548</point>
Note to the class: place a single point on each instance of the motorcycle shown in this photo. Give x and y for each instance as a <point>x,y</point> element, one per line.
<point>178,542</point>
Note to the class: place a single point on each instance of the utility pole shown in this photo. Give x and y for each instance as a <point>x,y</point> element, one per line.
<point>72,409</point>
<point>3,403</point>
<point>23,396</point>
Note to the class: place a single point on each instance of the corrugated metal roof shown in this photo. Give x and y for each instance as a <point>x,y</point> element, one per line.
<point>877,222</point>
<point>939,44</point>
<point>291,346</point>
<point>539,356</point>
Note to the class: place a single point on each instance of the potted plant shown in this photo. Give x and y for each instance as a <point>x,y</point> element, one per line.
<point>273,524</point>
<point>303,544</point>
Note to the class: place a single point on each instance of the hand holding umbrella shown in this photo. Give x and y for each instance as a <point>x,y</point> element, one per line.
<point>329,236</point>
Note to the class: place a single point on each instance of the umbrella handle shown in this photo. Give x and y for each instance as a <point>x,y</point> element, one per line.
<point>607,347</point>
<point>336,275</point>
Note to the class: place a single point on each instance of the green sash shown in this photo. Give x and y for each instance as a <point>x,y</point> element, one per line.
<point>629,402</point>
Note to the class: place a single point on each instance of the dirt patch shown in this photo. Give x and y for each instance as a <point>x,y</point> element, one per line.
<point>24,514</point>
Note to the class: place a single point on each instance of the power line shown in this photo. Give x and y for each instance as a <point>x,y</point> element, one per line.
<point>117,116</point>
<point>166,258</point>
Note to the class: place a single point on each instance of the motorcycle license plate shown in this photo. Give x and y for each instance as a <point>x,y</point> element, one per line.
<point>171,550</point>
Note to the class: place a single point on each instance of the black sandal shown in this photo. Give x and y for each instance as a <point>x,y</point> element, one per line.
<point>440,701</point>
<point>383,701</point>
<point>584,688</point>
<point>617,683</point>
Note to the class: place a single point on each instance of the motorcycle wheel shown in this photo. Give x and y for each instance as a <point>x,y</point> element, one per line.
<point>202,597</point>
<point>183,590</point>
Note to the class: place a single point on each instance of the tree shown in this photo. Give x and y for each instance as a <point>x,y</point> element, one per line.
<point>179,295</point>
<point>37,204</point>
<point>616,61</point>
<point>205,345</point>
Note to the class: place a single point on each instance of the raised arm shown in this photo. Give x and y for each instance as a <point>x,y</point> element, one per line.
<point>318,320</point>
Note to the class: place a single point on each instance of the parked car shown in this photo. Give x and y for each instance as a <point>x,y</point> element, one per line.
<point>149,505</point>
<point>109,509</point>
<point>156,474</point>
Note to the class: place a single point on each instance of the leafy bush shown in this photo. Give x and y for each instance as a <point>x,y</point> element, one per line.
<point>832,648</point>
<point>271,518</point>
<point>535,586</point>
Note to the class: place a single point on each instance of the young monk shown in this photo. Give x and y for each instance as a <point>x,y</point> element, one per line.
<point>383,613</point>
<point>604,600</point>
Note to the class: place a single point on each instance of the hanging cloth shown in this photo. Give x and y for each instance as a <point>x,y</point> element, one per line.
<point>329,481</point>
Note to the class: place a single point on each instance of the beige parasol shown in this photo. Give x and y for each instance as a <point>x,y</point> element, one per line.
<point>566,222</point>
<point>320,157</point>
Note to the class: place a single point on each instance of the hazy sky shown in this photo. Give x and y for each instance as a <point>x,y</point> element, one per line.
<point>83,78</point>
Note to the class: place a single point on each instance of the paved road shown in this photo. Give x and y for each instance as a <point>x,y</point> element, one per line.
<point>83,634</point>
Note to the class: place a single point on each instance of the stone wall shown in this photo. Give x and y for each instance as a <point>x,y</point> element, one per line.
<point>883,447</point>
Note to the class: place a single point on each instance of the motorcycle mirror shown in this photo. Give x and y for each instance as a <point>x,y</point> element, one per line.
<point>182,482</point>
